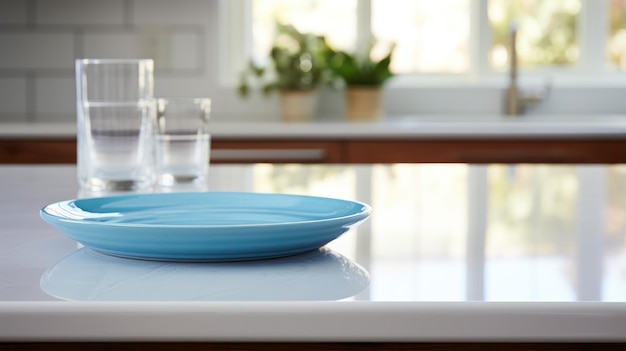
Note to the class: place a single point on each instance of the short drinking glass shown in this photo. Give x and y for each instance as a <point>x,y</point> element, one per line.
<point>182,142</point>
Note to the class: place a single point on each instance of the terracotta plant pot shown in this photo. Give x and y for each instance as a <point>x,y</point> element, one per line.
<point>364,104</point>
<point>297,105</point>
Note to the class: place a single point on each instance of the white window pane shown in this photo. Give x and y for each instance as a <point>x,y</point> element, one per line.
<point>617,36</point>
<point>431,36</point>
<point>547,31</point>
<point>614,278</point>
<point>336,20</point>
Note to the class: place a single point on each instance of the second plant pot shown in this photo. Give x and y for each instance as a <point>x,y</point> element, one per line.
<point>364,104</point>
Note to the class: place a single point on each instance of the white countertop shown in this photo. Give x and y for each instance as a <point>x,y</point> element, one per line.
<point>313,322</point>
<point>432,276</point>
<point>470,126</point>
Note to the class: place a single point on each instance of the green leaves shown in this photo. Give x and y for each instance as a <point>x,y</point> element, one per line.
<point>361,71</point>
<point>302,61</point>
<point>298,62</point>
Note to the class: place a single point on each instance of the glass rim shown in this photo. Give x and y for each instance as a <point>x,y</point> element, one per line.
<point>203,103</point>
<point>191,135</point>
<point>179,99</point>
<point>117,103</point>
<point>110,60</point>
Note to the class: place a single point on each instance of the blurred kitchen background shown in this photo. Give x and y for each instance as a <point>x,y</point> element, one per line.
<point>451,55</point>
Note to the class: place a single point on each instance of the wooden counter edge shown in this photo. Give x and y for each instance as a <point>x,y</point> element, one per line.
<point>362,151</point>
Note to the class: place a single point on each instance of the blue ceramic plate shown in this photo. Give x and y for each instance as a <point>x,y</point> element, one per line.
<point>208,226</point>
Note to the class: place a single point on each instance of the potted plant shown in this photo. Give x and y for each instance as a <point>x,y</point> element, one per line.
<point>363,77</point>
<point>298,66</point>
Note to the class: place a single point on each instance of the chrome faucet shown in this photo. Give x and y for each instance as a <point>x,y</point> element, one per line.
<point>517,101</point>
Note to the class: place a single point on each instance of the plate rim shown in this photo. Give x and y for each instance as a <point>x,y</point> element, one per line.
<point>364,211</point>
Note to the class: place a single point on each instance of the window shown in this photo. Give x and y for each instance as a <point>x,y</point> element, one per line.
<point>431,36</point>
<point>467,37</point>
<point>575,46</point>
<point>547,31</point>
<point>336,20</point>
<point>616,48</point>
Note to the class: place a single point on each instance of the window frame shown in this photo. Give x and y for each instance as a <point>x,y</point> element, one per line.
<point>592,36</point>
<point>591,88</point>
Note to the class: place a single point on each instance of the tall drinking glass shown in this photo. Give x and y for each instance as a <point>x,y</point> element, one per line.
<point>115,124</point>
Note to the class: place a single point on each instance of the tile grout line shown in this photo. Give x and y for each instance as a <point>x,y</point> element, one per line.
<point>128,14</point>
<point>31,96</point>
<point>202,49</point>
<point>79,50</point>
<point>31,14</point>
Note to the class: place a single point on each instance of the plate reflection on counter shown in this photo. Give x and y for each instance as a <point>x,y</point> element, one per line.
<point>323,274</point>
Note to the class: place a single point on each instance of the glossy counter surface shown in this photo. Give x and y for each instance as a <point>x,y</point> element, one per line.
<point>451,253</point>
<point>418,127</point>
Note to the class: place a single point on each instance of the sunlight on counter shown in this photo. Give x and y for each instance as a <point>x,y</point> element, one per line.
<point>541,242</point>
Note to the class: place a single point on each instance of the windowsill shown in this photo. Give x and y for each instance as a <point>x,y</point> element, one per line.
<point>580,81</point>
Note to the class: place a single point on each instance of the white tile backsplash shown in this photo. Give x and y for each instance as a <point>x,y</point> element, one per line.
<point>185,51</point>
<point>13,12</point>
<point>80,12</point>
<point>40,39</point>
<point>25,50</point>
<point>170,86</point>
<point>109,45</point>
<point>155,42</point>
<point>12,97</point>
<point>55,99</point>
<point>181,12</point>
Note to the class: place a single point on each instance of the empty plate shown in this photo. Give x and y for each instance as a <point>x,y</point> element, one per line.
<point>205,226</point>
